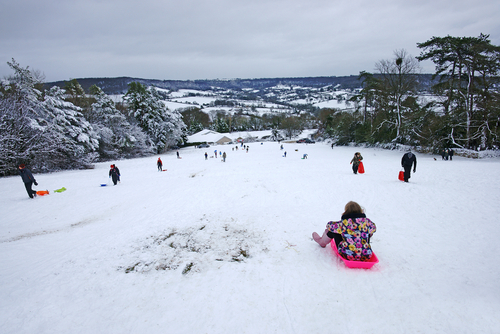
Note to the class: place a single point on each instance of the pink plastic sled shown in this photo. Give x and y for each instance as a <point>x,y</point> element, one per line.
<point>355,264</point>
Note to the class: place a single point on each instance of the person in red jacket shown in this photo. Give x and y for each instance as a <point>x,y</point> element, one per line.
<point>160,164</point>
<point>28,180</point>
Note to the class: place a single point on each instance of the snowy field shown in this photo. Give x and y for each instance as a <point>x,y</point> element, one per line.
<point>214,247</point>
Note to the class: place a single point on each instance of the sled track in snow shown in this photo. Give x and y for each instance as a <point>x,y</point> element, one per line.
<point>36,234</point>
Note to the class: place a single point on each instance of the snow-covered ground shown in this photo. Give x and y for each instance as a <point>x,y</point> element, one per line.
<point>214,247</point>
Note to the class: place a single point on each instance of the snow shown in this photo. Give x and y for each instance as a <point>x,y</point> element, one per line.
<point>195,100</point>
<point>213,247</point>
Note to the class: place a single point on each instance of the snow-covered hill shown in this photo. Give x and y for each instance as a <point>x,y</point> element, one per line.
<point>214,247</point>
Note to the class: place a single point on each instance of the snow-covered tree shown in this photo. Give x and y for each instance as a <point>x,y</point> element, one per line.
<point>164,127</point>
<point>20,139</point>
<point>117,137</point>
<point>72,140</point>
<point>39,128</point>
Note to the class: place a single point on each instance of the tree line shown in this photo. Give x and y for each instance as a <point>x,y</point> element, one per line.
<point>55,129</point>
<point>465,111</point>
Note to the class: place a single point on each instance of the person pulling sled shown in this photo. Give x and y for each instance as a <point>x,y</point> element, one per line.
<point>28,180</point>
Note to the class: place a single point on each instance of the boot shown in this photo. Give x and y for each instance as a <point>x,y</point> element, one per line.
<point>323,240</point>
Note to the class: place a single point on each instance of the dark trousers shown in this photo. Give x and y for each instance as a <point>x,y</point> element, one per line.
<point>335,236</point>
<point>407,172</point>
<point>30,191</point>
<point>355,168</point>
<point>114,177</point>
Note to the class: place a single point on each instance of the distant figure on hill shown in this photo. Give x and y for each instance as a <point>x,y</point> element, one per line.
<point>215,153</point>
<point>451,154</point>
<point>284,155</point>
<point>178,155</point>
<point>355,162</point>
<point>28,180</point>
<point>114,174</point>
<point>224,156</point>
<point>407,161</point>
<point>352,234</point>
<point>159,163</point>
<point>206,156</point>
<point>304,156</point>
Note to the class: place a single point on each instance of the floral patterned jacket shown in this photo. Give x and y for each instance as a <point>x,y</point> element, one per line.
<point>356,231</point>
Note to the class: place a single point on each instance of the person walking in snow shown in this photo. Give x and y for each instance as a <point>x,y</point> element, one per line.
<point>351,234</point>
<point>28,180</point>
<point>215,154</point>
<point>304,156</point>
<point>355,162</point>
<point>159,163</point>
<point>178,157</point>
<point>407,161</point>
<point>114,174</point>
<point>451,154</point>
<point>206,156</point>
<point>224,156</point>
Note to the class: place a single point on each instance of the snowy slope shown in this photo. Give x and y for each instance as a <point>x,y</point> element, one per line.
<point>213,247</point>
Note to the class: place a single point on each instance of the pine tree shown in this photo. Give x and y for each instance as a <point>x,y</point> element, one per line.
<point>117,137</point>
<point>164,127</point>
<point>39,128</point>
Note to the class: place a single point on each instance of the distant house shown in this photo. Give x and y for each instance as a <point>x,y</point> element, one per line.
<point>209,137</point>
<point>224,140</point>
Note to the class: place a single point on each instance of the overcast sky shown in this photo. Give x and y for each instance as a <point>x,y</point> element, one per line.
<point>209,39</point>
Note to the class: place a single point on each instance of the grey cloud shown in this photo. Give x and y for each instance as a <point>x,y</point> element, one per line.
<point>197,39</point>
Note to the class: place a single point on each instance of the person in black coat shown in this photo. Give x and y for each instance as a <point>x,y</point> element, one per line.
<point>114,174</point>
<point>409,159</point>
<point>28,180</point>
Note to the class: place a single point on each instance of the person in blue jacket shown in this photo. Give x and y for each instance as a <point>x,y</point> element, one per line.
<point>28,180</point>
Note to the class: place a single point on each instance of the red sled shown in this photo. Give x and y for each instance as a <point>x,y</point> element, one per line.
<point>401,176</point>
<point>361,168</point>
<point>164,170</point>
<point>356,264</point>
<point>42,192</point>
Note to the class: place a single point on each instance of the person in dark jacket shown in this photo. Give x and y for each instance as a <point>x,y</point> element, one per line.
<point>407,161</point>
<point>355,162</point>
<point>28,180</point>
<point>114,174</point>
